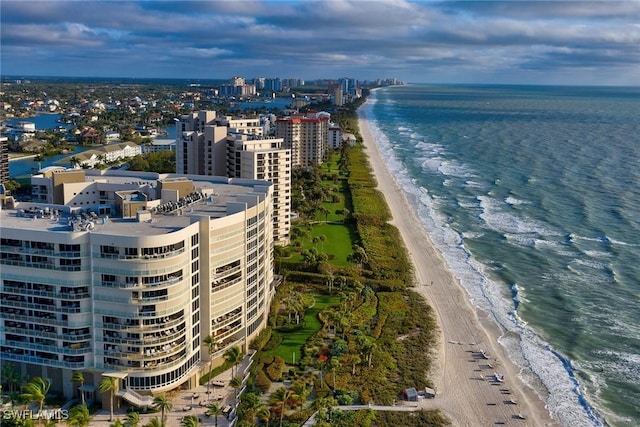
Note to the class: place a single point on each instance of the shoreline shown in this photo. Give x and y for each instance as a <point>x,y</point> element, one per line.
<point>469,355</point>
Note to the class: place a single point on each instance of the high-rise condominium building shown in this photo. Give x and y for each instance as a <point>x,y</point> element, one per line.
<point>306,137</point>
<point>234,147</point>
<point>257,157</point>
<point>124,274</point>
<point>4,159</point>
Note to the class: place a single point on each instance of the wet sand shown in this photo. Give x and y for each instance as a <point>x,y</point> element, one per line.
<point>468,354</point>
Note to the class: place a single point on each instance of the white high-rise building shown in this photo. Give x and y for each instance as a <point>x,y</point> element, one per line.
<point>256,157</point>
<point>202,147</point>
<point>334,136</point>
<point>123,274</point>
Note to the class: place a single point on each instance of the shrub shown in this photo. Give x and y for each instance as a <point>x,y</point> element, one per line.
<point>262,381</point>
<point>274,342</point>
<point>274,369</point>
<point>321,388</point>
<point>299,417</point>
<point>266,359</point>
<point>345,397</point>
<point>262,339</point>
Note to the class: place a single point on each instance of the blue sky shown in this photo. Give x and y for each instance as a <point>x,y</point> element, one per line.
<point>546,42</point>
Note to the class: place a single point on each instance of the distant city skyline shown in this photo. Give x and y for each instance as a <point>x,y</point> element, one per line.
<point>520,42</point>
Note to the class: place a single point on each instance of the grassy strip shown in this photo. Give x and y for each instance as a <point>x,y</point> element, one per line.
<point>215,372</point>
<point>387,254</point>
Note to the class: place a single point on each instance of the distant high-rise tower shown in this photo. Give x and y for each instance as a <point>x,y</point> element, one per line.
<point>235,148</point>
<point>200,144</point>
<point>4,159</point>
<point>306,137</point>
<point>256,157</point>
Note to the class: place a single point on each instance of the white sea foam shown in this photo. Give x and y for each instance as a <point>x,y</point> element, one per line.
<point>453,168</point>
<point>515,202</point>
<point>472,234</point>
<point>503,221</point>
<point>474,184</point>
<point>431,164</point>
<point>589,263</point>
<point>537,361</point>
<point>598,254</point>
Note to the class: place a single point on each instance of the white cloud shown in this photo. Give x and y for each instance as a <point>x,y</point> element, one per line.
<point>313,37</point>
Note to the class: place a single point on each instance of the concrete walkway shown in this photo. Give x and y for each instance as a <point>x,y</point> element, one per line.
<point>187,402</point>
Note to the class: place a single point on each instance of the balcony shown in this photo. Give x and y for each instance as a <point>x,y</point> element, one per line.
<point>219,285</point>
<point>227,318</point>
<point>226,270</point>
<point>13,355</point>
<point>125,257</point>
<point>134,326</point>
<point>73,349</point>
<point>72,294</point>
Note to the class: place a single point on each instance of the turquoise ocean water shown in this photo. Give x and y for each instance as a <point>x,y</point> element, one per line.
<point>532,194</point>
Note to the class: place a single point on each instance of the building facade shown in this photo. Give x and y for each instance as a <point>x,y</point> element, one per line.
<point>158,145</point>
<point>124,274</point>
<point>4,159</point>
<point>306,137</point>
<point>255,157</point>
<point>235,147</point>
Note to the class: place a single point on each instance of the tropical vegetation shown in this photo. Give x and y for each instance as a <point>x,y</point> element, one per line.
<point>345,326</point>
<point>108,385</point>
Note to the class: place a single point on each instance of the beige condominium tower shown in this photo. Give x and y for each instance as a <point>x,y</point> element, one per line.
<point>123,274</point>
<point>236,147</point>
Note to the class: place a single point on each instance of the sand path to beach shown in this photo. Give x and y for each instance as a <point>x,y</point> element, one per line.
<point>467,390</point>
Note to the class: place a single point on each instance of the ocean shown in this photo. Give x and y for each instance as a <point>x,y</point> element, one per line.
<point>532,194</point>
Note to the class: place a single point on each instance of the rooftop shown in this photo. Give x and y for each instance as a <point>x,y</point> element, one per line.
<point>210,198</point>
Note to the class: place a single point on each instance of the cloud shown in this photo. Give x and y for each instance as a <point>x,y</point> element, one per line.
<point>321,39</point>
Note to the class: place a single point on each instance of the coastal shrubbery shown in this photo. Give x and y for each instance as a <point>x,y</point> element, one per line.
<point>366,335</point>
<point>386,252</point>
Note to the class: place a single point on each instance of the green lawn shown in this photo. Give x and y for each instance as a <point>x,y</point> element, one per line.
<point>293,341</point>
<point>339,239</point>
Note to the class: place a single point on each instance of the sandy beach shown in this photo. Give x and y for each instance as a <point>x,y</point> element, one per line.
<point>468,390</point>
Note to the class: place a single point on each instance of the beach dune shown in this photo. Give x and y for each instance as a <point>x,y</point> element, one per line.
<point>476,384</point>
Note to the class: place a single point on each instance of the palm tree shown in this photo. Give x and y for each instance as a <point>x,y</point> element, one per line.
<point>164,405</point>
<point>251,402</point>
<point>300,393</point>
<point>75,161</point>
<point>212,344</point>
<point>214,409</point>
<point>234,356</point>
<point>79,416</point>
<point>322,239</point>
<point>78,377</point>
<point>333,364</point>
<point>11,376</point>
<point>358,257</point>
<point>36,391</point>
<point>329,280</point>
<point>280,397</point>
<point>264,414</point>
<point>133,419</point>
<point>109,384</point>
<point>154,422</point>
<point>116,423</point>
<point>236,383</point>
<point>190,421</point>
